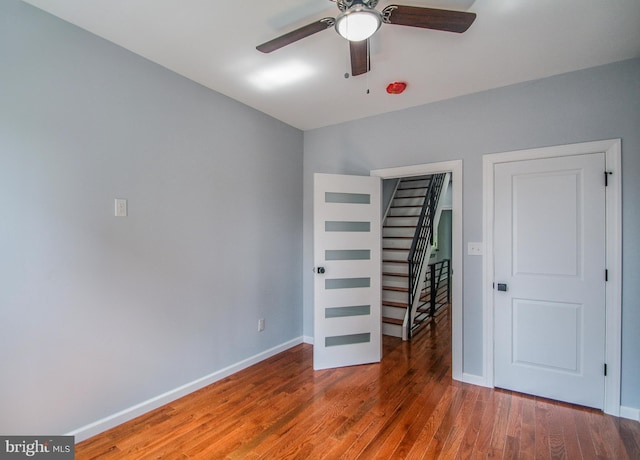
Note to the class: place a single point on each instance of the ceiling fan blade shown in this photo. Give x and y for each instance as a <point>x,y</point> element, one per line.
<point>428,18</point>
<point>359,57</point>
<point>296,35</point>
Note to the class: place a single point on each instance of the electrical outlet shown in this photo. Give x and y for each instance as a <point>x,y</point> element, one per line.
<point>261,325</point>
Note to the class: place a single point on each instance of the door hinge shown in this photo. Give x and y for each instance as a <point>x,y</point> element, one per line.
<point>606,178</point>
<point>605,369</point>
<point>606,275</point>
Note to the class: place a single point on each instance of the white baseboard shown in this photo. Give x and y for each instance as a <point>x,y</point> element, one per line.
<point>307,339</point>
<point>130,413</point>
<point>475,380</point>
<point>630,413</point>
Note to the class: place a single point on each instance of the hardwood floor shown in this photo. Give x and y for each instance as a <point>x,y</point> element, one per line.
<point>405,407</point>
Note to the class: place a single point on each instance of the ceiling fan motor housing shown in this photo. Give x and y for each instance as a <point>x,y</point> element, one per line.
<point>344,5</point>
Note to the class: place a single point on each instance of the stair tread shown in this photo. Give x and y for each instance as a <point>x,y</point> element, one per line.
<point>391,303</point>
<point>413,188</point>
<point>392,320</point>
<point>395,288</point>
<point>394,261</point>
<point>397,237</point>
<point>403,275</point>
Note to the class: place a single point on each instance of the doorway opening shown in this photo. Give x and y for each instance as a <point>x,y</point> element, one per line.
<point>455,212</point>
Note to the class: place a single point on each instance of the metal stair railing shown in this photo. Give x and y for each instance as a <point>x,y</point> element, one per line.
<point>422,242</point>
<point>435,293</point>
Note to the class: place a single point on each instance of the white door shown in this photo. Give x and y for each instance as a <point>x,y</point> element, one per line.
<point>347,315</point>
<point>549,249</point>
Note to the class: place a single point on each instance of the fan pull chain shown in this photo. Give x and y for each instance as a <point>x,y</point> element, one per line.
<point>368,63</point>
<point>347,61</point>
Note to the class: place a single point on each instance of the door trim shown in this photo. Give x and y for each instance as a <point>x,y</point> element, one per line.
<point>613,298</point>
<point>455,168</point>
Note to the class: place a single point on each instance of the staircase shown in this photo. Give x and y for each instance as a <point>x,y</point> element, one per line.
<point>398,233</point>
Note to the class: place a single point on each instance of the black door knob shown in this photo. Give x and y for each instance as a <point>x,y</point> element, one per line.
<point>321,270</point>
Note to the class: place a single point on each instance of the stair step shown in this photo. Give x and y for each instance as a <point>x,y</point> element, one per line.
<point>393,261</point>
<point>415,192</point>
<point>391,303</point>
<point>403,275</point>
<point>396,243</point>
<point>392,330</point>
<point>396,218</point>
<point>401,221</point>
<point>392,320</point>
<point>395,288</point>
<point>395,253</point>
<point>397,233</point>
<point>397,237</point>
<point>415,178</point>
<point>413,187</point>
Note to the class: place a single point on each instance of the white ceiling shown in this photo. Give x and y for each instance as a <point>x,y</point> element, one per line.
<point>213,43</point>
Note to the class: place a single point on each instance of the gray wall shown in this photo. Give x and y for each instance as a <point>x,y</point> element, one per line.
<point>593,104</point>
<point>388,189</point>
<point>99,313</point>
<point>444,237</point>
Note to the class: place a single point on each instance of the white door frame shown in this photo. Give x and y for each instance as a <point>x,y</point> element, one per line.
<point>613,203</point>
<point>455,168</point>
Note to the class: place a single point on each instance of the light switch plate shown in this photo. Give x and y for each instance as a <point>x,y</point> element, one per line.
<point>475,249</point>
<point>121,207</point>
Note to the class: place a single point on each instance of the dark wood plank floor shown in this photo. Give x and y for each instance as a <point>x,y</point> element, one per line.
<point>405,407</point>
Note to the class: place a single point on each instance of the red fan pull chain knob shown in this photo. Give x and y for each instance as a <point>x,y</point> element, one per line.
<point>397,87</point>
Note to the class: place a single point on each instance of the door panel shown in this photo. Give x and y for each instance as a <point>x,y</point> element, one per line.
<point>561,345</point>
<point>347,315</point>
<point>538,200</point>
<point>550,253</point>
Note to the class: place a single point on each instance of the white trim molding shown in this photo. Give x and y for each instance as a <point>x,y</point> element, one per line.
<point>132,412</point>
<point>473,379</point>
<point>613,343</point>
<point>630,412</point>
<point>455,168</point>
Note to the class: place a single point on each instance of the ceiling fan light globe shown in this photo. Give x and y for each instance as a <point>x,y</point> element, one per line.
<point>358,23</point>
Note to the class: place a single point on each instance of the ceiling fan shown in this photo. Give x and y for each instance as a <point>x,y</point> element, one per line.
<point>358,20</point>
